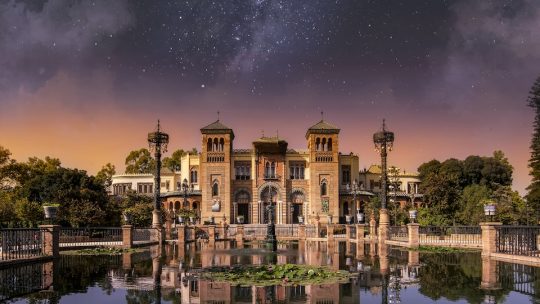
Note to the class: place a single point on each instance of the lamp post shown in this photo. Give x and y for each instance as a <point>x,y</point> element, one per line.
<point>157,142</point>
<point>384,141</point>
<point>186,189</point>
<point>354,189</point>
<point>271,239</point>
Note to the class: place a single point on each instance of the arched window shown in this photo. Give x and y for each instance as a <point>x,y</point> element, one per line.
<point>215,189</point>
<point>273,170</point>
<point>297,197</point>
<point>324,188</point>
<point>329,144</point>
<point>193,176</point>
<point>209,145</point>
<point>221,145</point>
<point>267,169</point>
<point>242,197</point>
<point>323,148</point>
<point>215,146</point>
<point>318,144</point>
<point>177,205</point>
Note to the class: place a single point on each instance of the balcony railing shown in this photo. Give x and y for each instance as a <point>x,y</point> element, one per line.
<point>271,177</point>
<point>325,157</point>
<point>215,157</point>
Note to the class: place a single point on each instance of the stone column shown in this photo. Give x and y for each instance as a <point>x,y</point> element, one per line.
<point>211,233</point>
<point>414,258</point>
<point>126,260</point>
<point>489,236</point>
<point>330,233</point>
<point>302,232</point>
<point>414,239</point>
<point>51,240</point>
<point>168,226</point>
<point>127,236</point>
<point>360,233</point>
<point>223,231</point>
<point>489,274</point>
<point>47,273</point>
<point>239,236</point>
<point>372,228</point>
<point>181,234</point>
<point>384,223</point>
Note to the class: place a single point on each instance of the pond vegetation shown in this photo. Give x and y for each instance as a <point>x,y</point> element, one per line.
<point>266,275</point>
<point>99,251</point>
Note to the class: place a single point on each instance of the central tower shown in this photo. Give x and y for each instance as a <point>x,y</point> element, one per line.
<point>217,143</point>
<point>323,145</point>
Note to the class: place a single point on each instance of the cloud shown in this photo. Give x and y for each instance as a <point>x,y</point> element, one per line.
<point>38,40</point>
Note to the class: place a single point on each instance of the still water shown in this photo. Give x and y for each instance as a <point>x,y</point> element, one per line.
<point>170,275</point>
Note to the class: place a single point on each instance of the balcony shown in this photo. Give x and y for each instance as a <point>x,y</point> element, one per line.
<point>215,157</point>
<point>324,157</point>
<point>270,177</point>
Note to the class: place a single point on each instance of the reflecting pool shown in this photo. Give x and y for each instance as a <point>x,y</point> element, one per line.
<point>170,274</point>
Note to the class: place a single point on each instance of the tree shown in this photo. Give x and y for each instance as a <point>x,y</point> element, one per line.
<point>27,211</point>
<point>472,204</point>
<point>174,162</point>
<point>104,176</point>
<point>533,195</point>
<point>140,161</point>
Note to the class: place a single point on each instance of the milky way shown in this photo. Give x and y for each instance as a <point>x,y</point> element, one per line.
<point>436,69</point>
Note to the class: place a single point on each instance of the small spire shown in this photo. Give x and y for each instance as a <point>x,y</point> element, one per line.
<point>277,133</point>
<point>217,115</point>
<point>384,124</point>
<point>262,133</point>
<point>158,126</point>
<point>322,115</point>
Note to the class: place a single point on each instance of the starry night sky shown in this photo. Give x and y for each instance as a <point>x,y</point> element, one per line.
<point>85,80</point>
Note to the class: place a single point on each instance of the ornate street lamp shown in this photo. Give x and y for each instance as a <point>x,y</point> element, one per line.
<point>413,214</point>
<point>157,142</point>
<point>186,189</point>
<point>271,239</point>
<point>354,189</point>
<point>489,210</point>
<point>384,141</point>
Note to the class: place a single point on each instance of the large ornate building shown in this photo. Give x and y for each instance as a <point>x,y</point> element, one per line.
<point>222,182</point>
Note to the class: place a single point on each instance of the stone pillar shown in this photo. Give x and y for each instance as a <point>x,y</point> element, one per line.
<point>330,233</point>
<point>223,231</point>
<point>414,258</point>
<point>181,234</point>
<point>489,236</point>
<point>489,274</point>
<point>126,260</point>
<point>384,223</point>
<point>372,228</point>
<point>168,227</point>
<point>211,233</point>
<point>239,236</point>
<point>414,239</point>
<point>302,232</point>
<point>360,233</point>
<point>360,250</point>
<point>127,236</point>
<point>51,240</point>
<point>47,274</point>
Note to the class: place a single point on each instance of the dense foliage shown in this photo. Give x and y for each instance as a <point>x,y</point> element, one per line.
<point>27,186</point>
<point>455,191</point>
<point>533,195</point>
